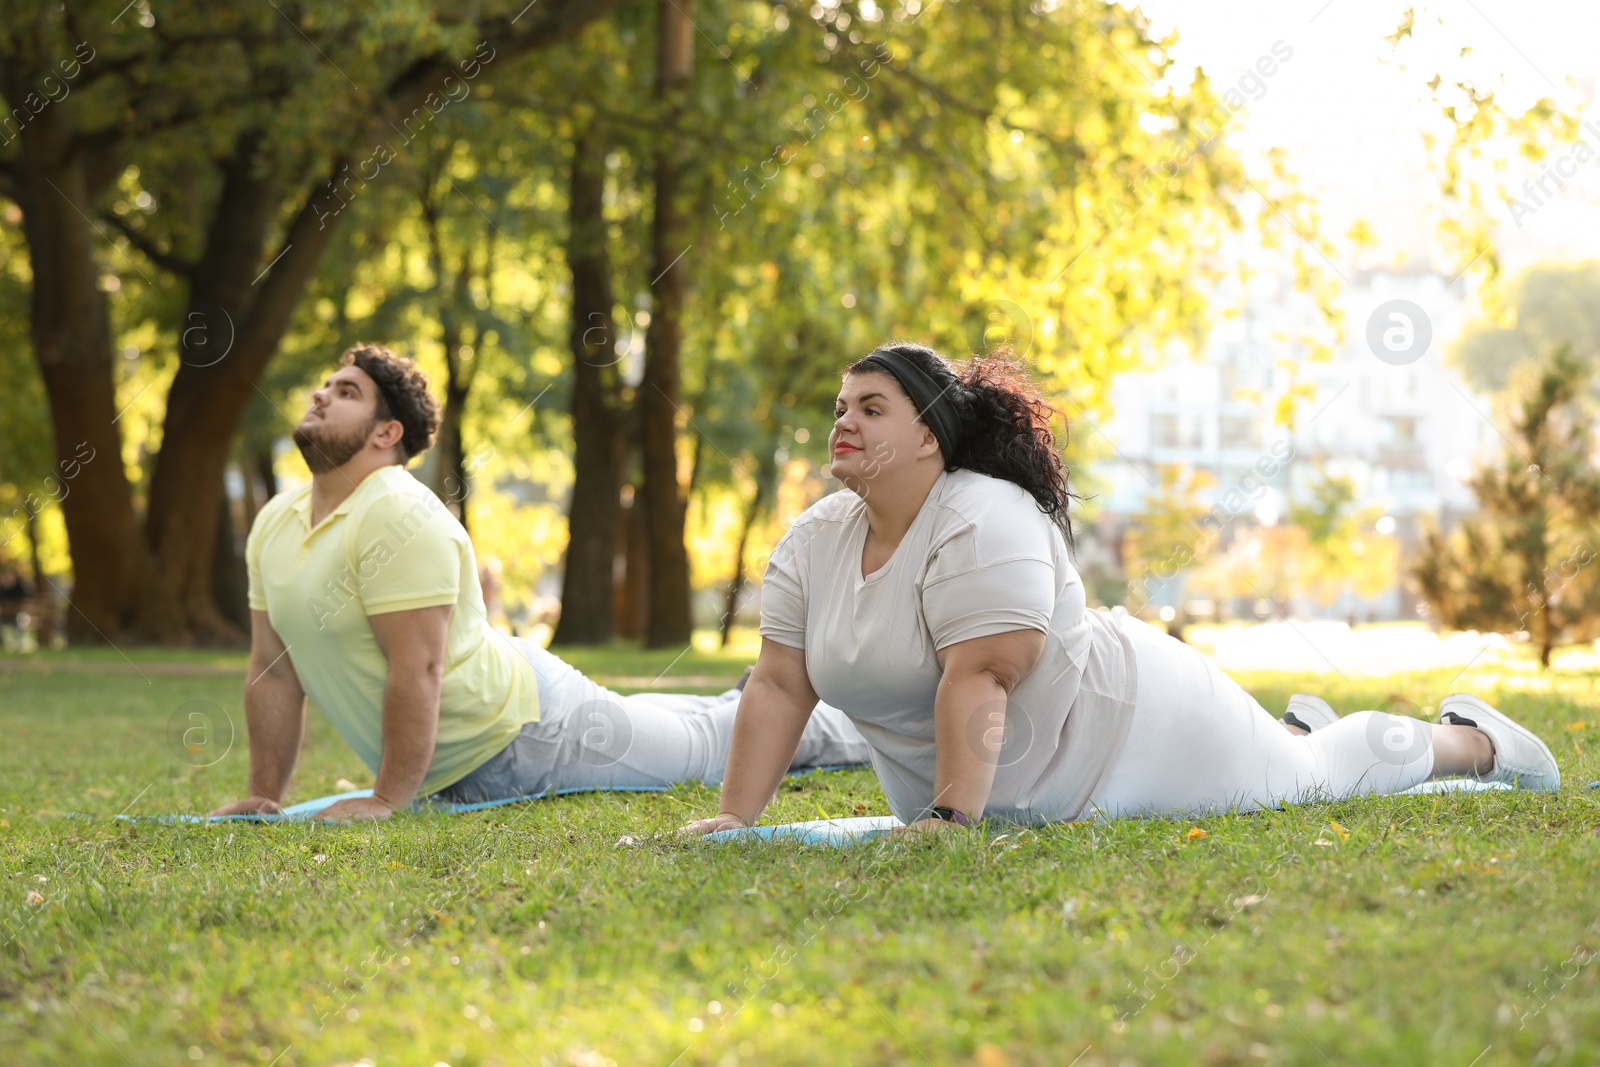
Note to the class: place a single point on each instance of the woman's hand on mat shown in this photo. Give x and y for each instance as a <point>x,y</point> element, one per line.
<point>251,805</point>
<point>724,821</point>
<point>356,809</point>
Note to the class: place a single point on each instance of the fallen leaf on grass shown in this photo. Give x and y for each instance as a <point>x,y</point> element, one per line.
<point>1344,835</point>
<point>1195,834</point>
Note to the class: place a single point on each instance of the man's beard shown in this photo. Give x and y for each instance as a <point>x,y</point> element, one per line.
<point>326,450</point>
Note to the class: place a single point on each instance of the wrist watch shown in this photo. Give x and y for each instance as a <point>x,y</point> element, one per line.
<point>944,814</point>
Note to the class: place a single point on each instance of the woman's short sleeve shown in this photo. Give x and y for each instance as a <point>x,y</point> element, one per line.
<point>990,577</point>
<point>783,590</point>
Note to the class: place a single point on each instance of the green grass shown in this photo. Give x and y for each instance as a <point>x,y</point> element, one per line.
<point>703,655</point>
<point>1439,928</point>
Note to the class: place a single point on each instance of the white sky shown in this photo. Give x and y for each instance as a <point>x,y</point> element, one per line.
<point>1350,113</point>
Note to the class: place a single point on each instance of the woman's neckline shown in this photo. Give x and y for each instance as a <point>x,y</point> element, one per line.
<point>859,553</point>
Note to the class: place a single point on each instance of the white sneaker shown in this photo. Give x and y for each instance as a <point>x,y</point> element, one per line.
<point>1520,758</point>
<point>1309,713</point>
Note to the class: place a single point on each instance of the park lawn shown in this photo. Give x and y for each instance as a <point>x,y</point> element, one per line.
<point>702,666</point>
<point>1459,931</point>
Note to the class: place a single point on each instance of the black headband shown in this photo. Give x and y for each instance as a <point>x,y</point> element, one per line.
<point>927,394</point>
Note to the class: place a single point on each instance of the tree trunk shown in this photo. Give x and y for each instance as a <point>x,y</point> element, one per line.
<point>160,585</point>
<point>598,425</point>
<point>766,476</point>
<point>248,504</point>
<point>235,319</point>
<point>453,487</point>
<point>633,591</point>
<point>670,620</point>
<point>450,445</point>
<point>44,627</point>
<point>229,576</point>
<point>72,345</point>
<point>266,472</point>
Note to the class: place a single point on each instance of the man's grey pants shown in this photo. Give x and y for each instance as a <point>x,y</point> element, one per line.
<point>588,737</point>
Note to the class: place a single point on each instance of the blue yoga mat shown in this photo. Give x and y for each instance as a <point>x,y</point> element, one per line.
<point>307,809</point>
<point>831,832</point>
<point>834,832</point>
<point>840,833</point>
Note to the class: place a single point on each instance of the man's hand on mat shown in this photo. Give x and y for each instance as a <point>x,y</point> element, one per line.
<point>724,821</point>
<point>250,806</point>
<point>355,809</point>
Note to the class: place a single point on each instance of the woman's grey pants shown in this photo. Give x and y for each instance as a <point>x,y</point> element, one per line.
<point>588,737</point>
<point>1200,744</point>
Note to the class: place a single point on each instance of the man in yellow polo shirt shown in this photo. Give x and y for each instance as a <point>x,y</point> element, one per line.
<point>364,596</point>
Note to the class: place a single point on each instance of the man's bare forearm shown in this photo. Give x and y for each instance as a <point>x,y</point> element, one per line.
<point>410,731</point>
<point>275,715</point>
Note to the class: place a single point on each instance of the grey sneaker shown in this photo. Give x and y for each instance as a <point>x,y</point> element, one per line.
<point>1309,713</point>
<point>1520,759</point>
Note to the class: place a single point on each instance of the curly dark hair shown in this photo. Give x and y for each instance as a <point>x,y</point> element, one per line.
<point>1005,423</point>
<point>402,395</point>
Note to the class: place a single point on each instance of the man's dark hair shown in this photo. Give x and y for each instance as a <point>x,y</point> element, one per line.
<point>402,395</point>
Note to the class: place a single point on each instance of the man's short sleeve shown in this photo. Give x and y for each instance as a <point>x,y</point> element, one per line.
<point>252,562</point>
<point>408,554</point>
<point>783,590</point>
<point>991,577</point>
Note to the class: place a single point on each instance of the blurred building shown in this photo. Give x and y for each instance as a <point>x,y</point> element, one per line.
<point>1407,436</point>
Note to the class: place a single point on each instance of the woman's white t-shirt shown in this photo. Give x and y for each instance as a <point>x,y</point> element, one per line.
<point>979,559</point>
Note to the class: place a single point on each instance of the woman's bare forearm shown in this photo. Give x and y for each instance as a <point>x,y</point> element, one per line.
<point>766,735</point>
<point>969,719</point>
<point>969,714</point>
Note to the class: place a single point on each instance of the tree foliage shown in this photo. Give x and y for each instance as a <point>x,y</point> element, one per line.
<point>1525,564</point>
<point>278,182</point>
<point>1480,136</point>
<point>1545,307</point>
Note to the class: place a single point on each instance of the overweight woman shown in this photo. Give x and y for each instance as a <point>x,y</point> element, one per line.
<point>934,602</point>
